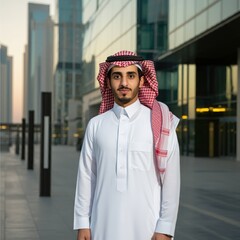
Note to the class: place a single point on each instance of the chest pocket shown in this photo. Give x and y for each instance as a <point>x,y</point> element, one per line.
<point>140,155</point>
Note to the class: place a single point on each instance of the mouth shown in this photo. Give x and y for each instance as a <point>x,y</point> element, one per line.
<point>124,90</point>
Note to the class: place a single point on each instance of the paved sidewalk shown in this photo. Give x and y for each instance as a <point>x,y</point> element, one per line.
<point>210,199</point>
<point>209,206</point>
<point>25,215</point>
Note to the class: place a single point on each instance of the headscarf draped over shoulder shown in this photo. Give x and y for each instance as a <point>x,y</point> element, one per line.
<point>161,116</point>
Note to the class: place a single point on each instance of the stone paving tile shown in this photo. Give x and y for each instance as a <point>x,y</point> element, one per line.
<point>22,234</point>
<point>25,215</point>
<point>209,204</point>
<point>58,235</point>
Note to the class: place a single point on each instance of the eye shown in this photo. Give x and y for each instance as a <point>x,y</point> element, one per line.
<point>131,75</point>
<point>116,76</point>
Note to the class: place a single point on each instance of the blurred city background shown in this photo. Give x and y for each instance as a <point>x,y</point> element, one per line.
<point>54,47</point>
<point>195,46</point>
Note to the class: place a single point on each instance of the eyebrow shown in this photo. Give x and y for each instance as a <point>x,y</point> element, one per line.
<point>120,73</point>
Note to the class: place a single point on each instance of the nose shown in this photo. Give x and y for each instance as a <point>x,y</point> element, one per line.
<point>124,81</point>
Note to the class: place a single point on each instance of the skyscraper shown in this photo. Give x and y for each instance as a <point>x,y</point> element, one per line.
<point>196,49</point>
<point>6,65</point>
<point>25,82</point>
<point>199,75</point>
<point>40,57</point>
<point>68,66</point>
<point>110,26</point>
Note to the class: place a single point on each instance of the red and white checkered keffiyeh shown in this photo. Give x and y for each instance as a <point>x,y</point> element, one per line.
<point>161,116</point>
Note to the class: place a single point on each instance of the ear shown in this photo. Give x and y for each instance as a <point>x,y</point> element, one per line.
<point>141,81</point>
<point>109,83</point>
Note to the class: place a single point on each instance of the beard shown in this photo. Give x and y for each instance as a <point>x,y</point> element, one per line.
<point>124,99</point>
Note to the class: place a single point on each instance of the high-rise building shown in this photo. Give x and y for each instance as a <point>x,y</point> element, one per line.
<point>6,67</point>
<point>67,84</point>
<point>110,26</point>
<point>199,75</point>
<point>195,46</point>
<point>39,58</point>
<point>25,82</point>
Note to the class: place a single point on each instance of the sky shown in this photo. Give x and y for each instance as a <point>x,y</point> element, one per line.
<point>13,34</point>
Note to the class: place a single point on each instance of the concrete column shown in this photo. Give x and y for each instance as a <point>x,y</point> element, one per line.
<point>238,109</point>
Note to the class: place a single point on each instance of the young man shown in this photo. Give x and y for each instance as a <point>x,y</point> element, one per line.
<point>128,180</point>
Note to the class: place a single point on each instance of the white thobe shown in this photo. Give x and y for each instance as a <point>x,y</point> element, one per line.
<point>118,192</point>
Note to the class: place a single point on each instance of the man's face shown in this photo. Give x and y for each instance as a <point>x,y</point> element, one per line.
<point>125,84</point>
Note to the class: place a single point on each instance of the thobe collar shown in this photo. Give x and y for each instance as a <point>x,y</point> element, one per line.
<point>129,111</point>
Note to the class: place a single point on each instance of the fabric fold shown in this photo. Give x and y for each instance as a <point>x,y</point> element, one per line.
<point>161,116</point>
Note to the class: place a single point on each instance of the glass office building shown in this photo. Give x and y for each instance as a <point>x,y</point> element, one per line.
<point>6,81</point>
<point>195,48</point>
<point>67,83</point>
<point>110,26</point>
<point>40,58</point>
<point>139,26</point>
<point>152,28</point>
<point>199,75</point>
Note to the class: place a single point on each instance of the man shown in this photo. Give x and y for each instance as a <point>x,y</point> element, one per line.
<point>128,179</point>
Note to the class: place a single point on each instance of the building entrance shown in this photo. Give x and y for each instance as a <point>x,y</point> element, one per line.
<point>227,138</point>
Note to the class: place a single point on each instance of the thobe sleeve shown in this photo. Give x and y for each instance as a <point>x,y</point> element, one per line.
<point>170,191</point>
<point>86,180</point>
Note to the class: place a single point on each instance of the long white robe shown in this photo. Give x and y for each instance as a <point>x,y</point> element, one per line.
<point>118,191</point>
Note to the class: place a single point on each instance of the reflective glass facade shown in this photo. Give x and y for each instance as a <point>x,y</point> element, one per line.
<point>152,27</point>
<point>189,18</point>
<point>109,27</point>
<point>204,97</point>
<point>6,69</point>
<point>200,86</point>
<point>40,57</point>
<point>68,69</point>
<point>202,89</point>
<point>70,31</point>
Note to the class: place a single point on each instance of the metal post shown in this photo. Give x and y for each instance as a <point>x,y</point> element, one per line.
<point>45,159</point>
<point>30,139</point>
<point>23,138</point>
<point>238,111</point>
<point>17,141</point>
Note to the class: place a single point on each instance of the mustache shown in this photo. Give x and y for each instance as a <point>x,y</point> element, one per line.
<point>122,87</point>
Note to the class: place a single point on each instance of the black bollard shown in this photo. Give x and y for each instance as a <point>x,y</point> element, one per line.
<point>23,138</point>
<point>45,159</point>
<point>30,139</point>
<point>17,141</point>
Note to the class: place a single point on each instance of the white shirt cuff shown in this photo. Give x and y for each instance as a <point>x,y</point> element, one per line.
<point>81,222</point>
<point>164,227</point>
